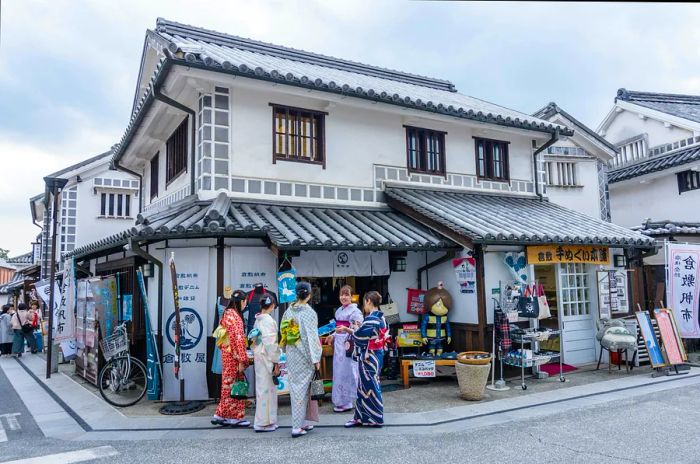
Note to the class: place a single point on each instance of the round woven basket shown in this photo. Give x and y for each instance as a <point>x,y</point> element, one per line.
<point>468,357</point>
<point>472,380</point>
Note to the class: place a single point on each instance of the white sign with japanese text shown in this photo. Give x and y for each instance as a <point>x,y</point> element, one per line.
<point>424,369</point>
<point>64,318</point>
<point>192,266</point>
<point>681,284</point>
<point>43,291</point>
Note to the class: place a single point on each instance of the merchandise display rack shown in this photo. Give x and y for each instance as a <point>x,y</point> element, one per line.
<point>530,338</point>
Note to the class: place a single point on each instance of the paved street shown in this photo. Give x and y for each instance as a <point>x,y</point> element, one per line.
<point>610,432</point>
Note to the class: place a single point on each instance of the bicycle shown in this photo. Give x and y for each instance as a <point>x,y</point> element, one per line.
<point>122,380</point>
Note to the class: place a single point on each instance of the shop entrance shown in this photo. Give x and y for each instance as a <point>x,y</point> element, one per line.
<point>325,291</point>
<point>567,287</point>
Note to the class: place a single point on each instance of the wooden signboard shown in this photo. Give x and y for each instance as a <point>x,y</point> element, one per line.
<point>672,343</point>
<point>655,357</point>
<point>553,254</point>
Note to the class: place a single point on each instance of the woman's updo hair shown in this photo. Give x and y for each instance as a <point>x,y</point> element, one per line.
<point>237,299</point>
<point>266,301</point>
<point>374,297</point>
<point>303,290</point>
<point>346,290</point>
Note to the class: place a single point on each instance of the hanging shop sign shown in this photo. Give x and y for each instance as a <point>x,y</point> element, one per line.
<point>671,339</point>
<point>286,285</point>
<point>465,270</point>
<point>423,369</point>
<point>682,277</point>
<point>416,298</point>
<point>105,293</point>
<point>192,281</point>
<point>612,292</point>
<point>568,254</point>
<point>343,263</point>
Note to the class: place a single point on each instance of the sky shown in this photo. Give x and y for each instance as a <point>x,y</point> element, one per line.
<point>68,69</point>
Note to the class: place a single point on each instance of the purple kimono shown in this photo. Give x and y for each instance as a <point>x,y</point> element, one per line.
<point>345,374</point>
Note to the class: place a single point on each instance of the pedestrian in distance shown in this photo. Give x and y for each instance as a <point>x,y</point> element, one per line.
<point>345,374</point>
<point>266,353</point>
<point>35,309</point>
<point>370,340</point>
<point>234,359</point>
<point>299,329</point>
<point>7,335</point>
<point>22,324</point>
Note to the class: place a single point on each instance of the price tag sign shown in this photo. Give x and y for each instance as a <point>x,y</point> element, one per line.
<point>424,369</point>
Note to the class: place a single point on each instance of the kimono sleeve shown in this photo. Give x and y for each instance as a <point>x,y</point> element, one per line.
<point>269,341</point>
<point>313,342</point>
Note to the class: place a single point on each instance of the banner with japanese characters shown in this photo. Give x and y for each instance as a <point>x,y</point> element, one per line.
<point>192,281</point>
<point>465,270</point>
<point>567,254</point>
<point>43,290</point>
<point>64,318</point>
<point>681,284</point>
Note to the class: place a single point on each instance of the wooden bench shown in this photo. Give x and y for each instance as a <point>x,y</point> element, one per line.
<point>405,363</point>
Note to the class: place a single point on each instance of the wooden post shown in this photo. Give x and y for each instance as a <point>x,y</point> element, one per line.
<point>481,296</point>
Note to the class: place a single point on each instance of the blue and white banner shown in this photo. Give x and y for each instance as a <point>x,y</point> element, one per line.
<point>192,281</point>
<point>286,286</point>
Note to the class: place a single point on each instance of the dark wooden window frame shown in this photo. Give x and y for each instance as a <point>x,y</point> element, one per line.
<point>682,178</point>
<point>176,153</point>
<point>422,150</point>
<point>155,174</point>
<point>320,137</point>
<point>488,159</point>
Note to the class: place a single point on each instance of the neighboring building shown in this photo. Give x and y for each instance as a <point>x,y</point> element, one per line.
<point>654,181</point>
<point>23,273</point>
<point>96,202</point>
<point>256,156</point>
<point>576,167</point>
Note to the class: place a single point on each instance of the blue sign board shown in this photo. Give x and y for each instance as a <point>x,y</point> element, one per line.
<point>655,356</point>
<point>286,286</point>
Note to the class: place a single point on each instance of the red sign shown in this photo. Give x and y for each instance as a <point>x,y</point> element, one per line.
<point>415,301</point>
<point>668,336</point>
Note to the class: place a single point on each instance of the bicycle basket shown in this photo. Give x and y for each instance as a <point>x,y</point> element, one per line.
<point>114,344</point>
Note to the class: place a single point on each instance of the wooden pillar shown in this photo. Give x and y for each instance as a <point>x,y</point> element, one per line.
<point>481,296</point>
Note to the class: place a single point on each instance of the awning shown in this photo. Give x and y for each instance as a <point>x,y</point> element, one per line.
<point>286,226</point>
<point>500,219</point>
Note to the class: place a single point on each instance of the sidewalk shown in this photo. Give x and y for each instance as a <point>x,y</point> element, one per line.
<point>63,409</point>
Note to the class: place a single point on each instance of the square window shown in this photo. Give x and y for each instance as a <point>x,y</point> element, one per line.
<point>221,101</point>
<point>285,189</point>
<point>221,90</point>
<point>221,183</point>
<point>221,167</point>
<point>329,192</point>
<point>315,191</point>
<point>254,186</point>
<point>425,150</point>
<point>221,118</point>
<point>356,194</point>
<point>221,134</point>
<point>206,183</point>
<point>206,116</point>
<point>299,190</point>
<point>238,185</point>
<point>207,101</point>
<point>221,150</point>
<point>271,188</point>
<point>342,193</point>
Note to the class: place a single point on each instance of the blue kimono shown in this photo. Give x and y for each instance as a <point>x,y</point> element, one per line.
<point>369,408</point>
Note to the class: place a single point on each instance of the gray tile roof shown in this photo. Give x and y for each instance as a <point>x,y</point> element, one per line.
<point>682,106</point>
<point>669,228</point>
<point>655,163</point>
<point>26,258</point>
<point>494,219</point>
<point>286,226</point>
<point>196,47</point>
<point>78,165</point>
<point>552,108</point>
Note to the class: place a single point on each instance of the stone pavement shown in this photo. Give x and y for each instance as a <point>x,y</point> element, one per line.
<point>63,409</point>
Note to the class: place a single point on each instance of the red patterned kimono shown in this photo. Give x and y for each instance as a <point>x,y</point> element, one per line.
<point>231,356</point>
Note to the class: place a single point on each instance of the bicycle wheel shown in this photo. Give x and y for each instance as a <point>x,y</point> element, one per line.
<point>122,381</point>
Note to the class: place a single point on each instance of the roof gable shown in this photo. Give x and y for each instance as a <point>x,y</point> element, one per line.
<point>678,105</point>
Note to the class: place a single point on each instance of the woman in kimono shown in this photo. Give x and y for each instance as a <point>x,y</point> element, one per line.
<point>369,339</point>
<point>234,360</point>
<point>267,358</point>
<point>345,373</point>
<point>299,329</point>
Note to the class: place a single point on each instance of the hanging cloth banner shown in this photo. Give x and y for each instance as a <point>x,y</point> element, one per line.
<point>465,269</point>
<point>286,286</point>
<point>152,358</point>
<point>64,318</point>
<point>43,292</point>
<point>682,274</point>
<point>515,261</point>
<point>192,276</point>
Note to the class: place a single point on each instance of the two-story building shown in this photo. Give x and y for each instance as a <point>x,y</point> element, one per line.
<point>256,156</point>
<point>654,180</point>
<point>95,202</point>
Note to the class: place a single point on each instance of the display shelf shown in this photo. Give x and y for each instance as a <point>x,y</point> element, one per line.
<point>536,360</point>
<point>530,338</point>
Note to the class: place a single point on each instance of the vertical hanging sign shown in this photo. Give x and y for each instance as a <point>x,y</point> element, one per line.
<point>682,275</point>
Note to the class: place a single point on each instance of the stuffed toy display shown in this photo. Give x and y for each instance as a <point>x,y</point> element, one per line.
<point>435,327</point>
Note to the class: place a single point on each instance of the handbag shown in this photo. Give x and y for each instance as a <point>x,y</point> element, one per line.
<point>544,312</point>
<point>391,312</point>
<point>528,306</point>
<point>349,346</point>
<point>318,392</point>
<point>27,327</point>
<point>239,388</point>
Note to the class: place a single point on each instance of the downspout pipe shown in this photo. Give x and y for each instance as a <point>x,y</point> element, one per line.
<point>555,137</point>
<point>138,251</point>
<point>193,130</point>
<point>119,167</point>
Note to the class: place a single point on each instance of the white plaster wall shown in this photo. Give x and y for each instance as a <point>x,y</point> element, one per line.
<point>631,202</point>
<point>464,308</point>
<point>584,199</point>
<point>628,124</point>
<point>400,281</point>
